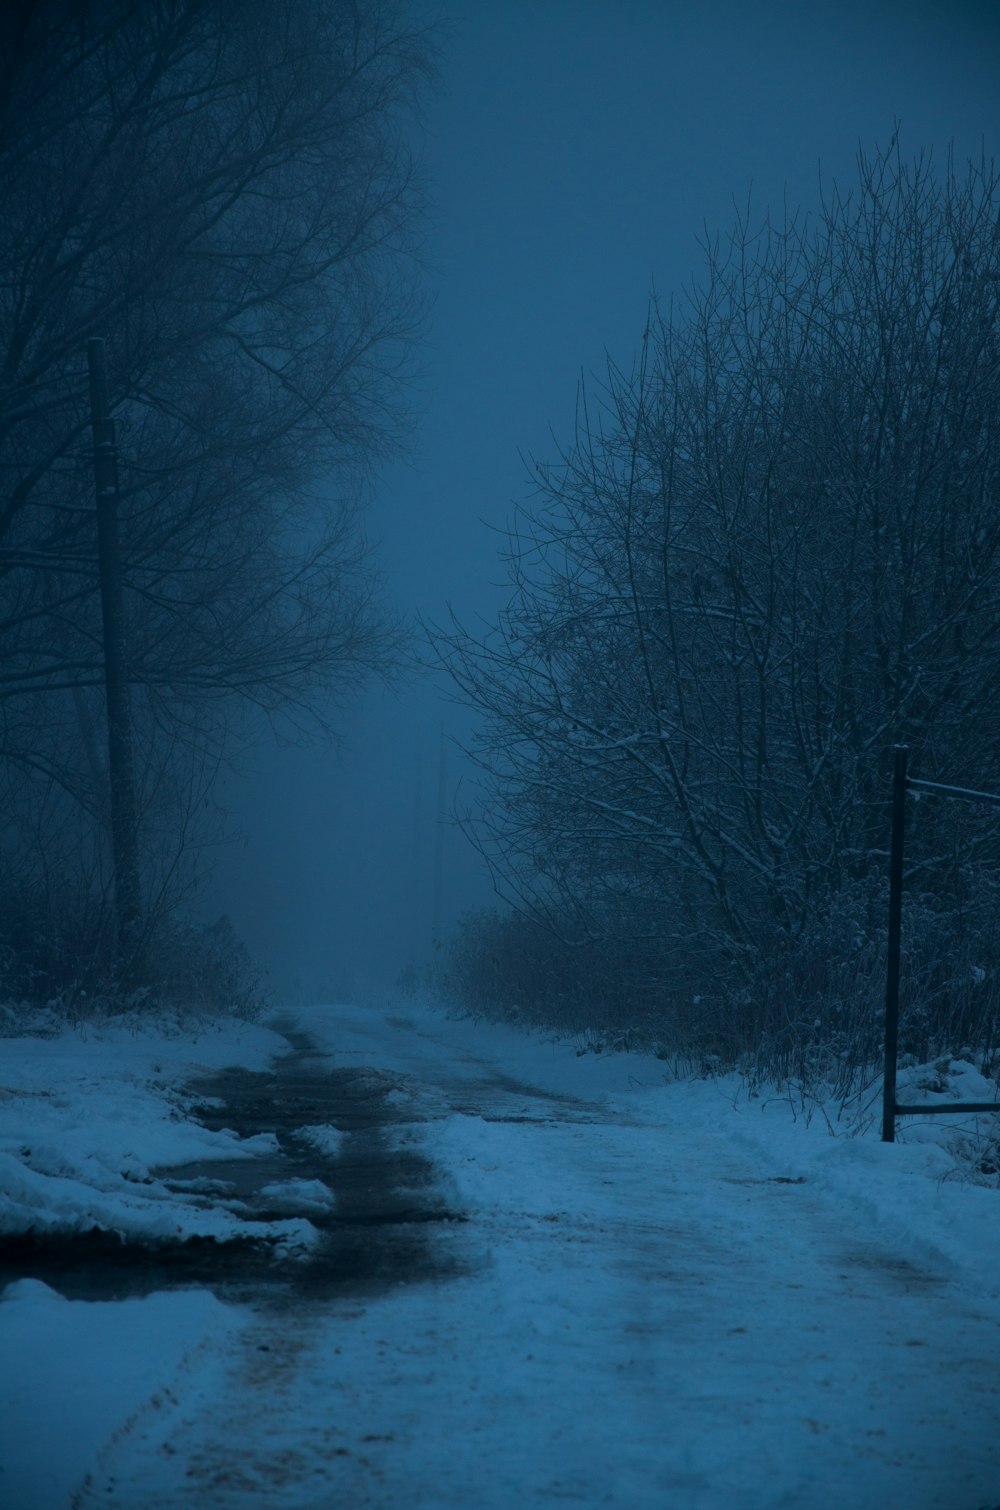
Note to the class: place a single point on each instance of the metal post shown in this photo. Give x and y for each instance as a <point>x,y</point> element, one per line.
<point>439,836</point>
<point>121,766</point>
<point>900,756</point>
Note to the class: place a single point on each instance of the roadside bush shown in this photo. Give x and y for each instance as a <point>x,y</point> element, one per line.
<point>509,966</point>
<point>812,1013</point>
<point>56,952</point>
<point>206,966</point>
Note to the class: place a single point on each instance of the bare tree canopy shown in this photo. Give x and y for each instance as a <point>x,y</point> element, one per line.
<point>225,194</point>
<point>772,549</point>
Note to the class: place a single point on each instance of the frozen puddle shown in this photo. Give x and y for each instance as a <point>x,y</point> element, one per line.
<point>373,1204</point>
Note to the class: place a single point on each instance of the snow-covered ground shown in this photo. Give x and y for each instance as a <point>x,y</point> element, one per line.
<point>87,1114</point>
<point>666,1294</point>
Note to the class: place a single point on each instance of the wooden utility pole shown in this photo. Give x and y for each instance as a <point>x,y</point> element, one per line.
<point>418,878</point>
<point>121,762</point>
<point>439,838</point>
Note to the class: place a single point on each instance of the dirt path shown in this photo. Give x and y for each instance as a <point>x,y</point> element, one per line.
<point>648,1317</point>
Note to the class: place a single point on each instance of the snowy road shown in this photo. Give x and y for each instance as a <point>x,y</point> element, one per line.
<point>659,1299</point>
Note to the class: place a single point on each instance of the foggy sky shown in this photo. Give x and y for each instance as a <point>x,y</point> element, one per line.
<point>575,154</point>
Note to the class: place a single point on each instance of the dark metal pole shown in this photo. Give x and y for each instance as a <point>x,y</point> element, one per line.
<point>439,836</point>
<point>900,755</point>
<point>121,764</point>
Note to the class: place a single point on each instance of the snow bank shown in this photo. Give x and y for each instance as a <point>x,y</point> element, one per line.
<point>88,1114</point>
<point>76,1373</point>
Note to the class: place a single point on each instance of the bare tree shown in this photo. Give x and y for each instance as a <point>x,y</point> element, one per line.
<point>226,196</point>
<point>772,549</point>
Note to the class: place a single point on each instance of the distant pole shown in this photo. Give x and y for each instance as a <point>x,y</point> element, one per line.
<point>900,755</point>
<point>418,876</point>
<point>121,762</point>
<point>438,891</point>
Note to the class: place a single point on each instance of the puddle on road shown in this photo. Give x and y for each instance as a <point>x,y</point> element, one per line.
<point>99,1265</point>
<point>389,1223</point>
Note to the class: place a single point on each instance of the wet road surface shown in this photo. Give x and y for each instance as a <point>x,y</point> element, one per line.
<point>375,1232</point>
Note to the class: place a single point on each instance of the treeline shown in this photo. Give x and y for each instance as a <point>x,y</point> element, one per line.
<point>771,550</point>
<point>225,197</point>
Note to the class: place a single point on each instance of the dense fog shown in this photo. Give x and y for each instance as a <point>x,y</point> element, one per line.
<point>577,157</point>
